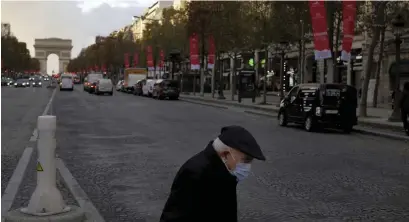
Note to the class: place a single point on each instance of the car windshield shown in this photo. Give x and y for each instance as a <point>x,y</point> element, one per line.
<point>66,77</point>
<point>21,80</point>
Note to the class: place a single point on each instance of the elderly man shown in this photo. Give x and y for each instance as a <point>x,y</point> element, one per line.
<point>204,189</point>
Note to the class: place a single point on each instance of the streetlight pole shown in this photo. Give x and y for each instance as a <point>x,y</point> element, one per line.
<point>398,24</point>
<point>283,46</point>
<point>221,84</point>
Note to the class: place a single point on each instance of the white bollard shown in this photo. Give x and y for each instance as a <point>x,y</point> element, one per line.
<point>46,199</point>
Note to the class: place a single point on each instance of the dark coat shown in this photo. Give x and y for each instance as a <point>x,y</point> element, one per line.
<point>202,191</point>
<point>404,102</point>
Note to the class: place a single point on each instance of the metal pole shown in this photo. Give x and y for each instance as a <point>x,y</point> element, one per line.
<point>282,76</point>
<point>302,53</point>
<point>202,67</point>
<point>396,115</point>
<point>265,76</point>
<point>221,84</point>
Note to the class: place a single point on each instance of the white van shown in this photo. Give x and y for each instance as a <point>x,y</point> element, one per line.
<point>104,86</point>
<point>147,87</point>
<point>67,82</point>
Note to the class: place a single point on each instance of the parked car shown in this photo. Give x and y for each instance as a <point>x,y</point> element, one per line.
<point>147,87</point>
<point>104,86</point>
<point>138,88</point>
<point>165,88</point>
<point>119,85</point>
<point>66,82</point>
<point>320,106</point>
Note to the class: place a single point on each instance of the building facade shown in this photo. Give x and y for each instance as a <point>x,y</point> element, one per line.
<point>153,13</point>
<point>5,29</point>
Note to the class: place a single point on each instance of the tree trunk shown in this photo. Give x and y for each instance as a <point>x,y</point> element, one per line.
<point>378,71</point>
<point>335,49</point>
<point>379,13</point>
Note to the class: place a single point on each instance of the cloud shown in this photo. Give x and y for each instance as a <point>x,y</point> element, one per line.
<point>80,21</point>
<point>90,5</point>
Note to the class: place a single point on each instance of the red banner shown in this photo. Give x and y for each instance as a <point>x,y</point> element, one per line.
<point>135,59</point>
<point>194,52</point>
<point>149,59</point>
<point>348,13</point>
<point>162,58</point>
<point>211,54</point>
<point>319,29</point>
<point>126,60</point>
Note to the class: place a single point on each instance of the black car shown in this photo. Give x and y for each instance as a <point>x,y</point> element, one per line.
<point>166,89</point>
<point>36,83</point>
<point>320,105</point>
<point>7,81</point>
<point>138,88</point>
<point>21,83</point>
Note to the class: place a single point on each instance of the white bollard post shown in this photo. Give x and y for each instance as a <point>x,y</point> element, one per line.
<point>46,199</point>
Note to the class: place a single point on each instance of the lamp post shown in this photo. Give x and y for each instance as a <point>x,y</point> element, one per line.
<point>398,24</point>
<point>282,46</point>
<point>221,66</point>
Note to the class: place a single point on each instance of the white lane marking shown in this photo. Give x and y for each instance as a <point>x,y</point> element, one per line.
<point>34,136</point>
<point>78,193</point>
<point>17,177</point>
<point>49,102</point>
<point>15,181</point>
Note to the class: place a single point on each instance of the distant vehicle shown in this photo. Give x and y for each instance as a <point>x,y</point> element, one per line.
<point>66,82</point>
<point>165,88</point>
<point>132,76</point>
<point>320,106</point>
<point>21,83</point>
<point>7,81</point>
<point>36,82</point>
<point>77,80</point>
<point>104,86</point>
<point>147,87</point>
<point>90,79</point>
<point>119,85</point>
<point>138,88</point>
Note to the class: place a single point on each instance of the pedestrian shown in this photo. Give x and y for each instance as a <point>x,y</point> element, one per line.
<point>204,189</point>
<point>404,104</point>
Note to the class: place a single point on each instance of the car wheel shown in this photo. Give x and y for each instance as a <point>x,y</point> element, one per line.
<point>309,124</point>
<point>347,129</point>
<point>282,119</point>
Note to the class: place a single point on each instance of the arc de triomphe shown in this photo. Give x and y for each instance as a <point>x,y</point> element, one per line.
<point>61,47</point>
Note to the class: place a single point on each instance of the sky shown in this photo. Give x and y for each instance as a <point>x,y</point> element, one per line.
<point>80,21</point>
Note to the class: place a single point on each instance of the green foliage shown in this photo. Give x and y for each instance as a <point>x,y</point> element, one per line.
<point>16,56</point>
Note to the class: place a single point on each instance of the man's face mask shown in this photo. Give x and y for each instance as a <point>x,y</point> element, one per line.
<point>242,169</point>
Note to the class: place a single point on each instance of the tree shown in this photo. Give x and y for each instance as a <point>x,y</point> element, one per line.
<point>379,14</point>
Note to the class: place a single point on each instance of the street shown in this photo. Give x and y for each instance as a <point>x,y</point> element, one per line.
<point>20,108</point>
<point>125,150</point>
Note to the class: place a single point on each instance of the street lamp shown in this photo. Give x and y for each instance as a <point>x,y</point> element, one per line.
<point>398,24</point>
<point>282,47</point>
<point>221,66</point>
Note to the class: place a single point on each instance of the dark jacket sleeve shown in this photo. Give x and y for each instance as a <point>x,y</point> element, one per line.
<point>182,200</point>
<point>403,101</point>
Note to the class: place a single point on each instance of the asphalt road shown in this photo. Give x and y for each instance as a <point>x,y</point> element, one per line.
<point>20,108</point>
<point>124,151</point>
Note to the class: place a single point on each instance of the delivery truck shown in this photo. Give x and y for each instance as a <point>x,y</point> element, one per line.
<point>133,75</point>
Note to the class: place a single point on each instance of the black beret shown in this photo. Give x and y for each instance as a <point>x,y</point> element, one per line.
<point>240,139</point>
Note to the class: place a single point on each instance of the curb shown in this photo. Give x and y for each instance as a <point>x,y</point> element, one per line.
<point>266,112</point>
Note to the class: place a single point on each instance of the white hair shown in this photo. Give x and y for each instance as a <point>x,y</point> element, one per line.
<point>219,146</point>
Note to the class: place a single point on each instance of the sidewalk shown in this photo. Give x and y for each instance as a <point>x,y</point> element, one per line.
<point>376,123</point>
